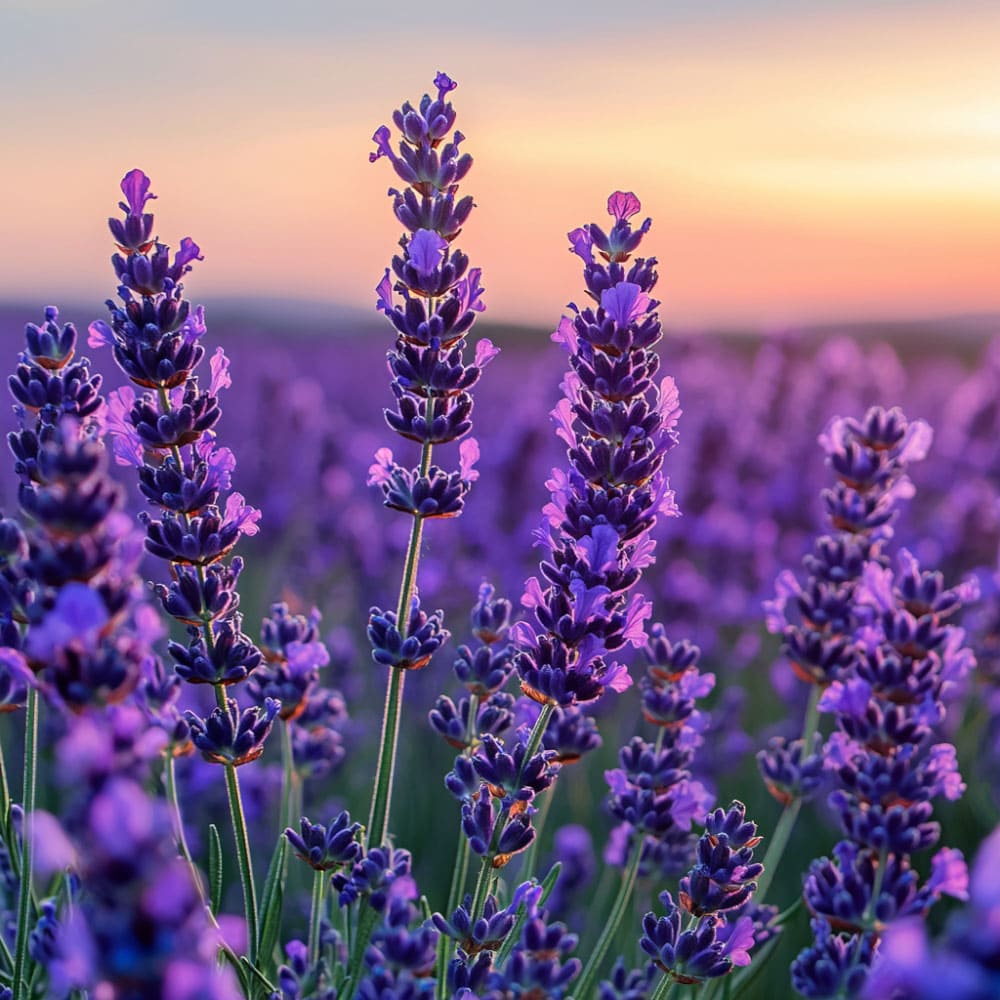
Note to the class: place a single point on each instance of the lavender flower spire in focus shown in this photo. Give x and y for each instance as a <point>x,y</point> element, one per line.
<point>719,935</point>
<point>617,425</point>
<point>167,434</point>
<point>432,304</point>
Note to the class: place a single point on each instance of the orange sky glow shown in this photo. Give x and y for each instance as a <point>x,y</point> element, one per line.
<point>840,164</point>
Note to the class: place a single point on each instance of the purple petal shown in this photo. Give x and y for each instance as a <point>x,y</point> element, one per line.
<point>135,187</point>
<point>221,379</point>
<point>486,351</point>
<point>384,291</point>
<point>189,251</point>
<point>468,455</point>
<point>624,302</point>
<point>241,514</point>
<point>445,84</point>
<point>581,244</point>
<point>381,139</point>
<point>425,251</point>
<point>380,471</point>
<point>949,874</point>
<point>99,334</point>
<point>623,205</point>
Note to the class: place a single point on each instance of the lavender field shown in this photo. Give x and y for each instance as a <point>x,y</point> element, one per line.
<point>405,654</point>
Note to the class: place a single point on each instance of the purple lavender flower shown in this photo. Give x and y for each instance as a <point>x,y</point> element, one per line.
<point>900,656</point>
<point>229,736</point>
<point>909,966</point>
<point>720,935</point>
<point>439,297</point>
<point>329,847</point>
<point>166,432</point>
<point>617,426</point>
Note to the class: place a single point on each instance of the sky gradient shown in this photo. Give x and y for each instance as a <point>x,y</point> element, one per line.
<point>801,161</point>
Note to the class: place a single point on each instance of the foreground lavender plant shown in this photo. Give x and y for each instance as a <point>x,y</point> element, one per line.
<point>967,958</point>
<point>124,918</point>
<point>166,433</point>
<point>439,297</point>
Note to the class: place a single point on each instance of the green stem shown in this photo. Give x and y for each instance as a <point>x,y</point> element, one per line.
<point>4,794</point>
<point>786,823</point>
<point>20,983</point>
<point>243,855</point>
<point>170,779</point>
<point>320,880</point>
<point>367,919</point>
<point>458,876</point>
<point>664,989</point>
<point>378,816</point>
<point>288,776</point>
<point>528,868</point>
<point>585,987</point>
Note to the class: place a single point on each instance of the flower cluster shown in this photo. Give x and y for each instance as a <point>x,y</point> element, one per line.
<point>887,700</point>
<point>70,579</point>
<point>714,893</point>
<point>617,425</point>
<point>967,957</point>
<point>652,793</point>
<point>439,296</point>
<point>126,914</point>
<point>869,458</point>
<point>166,432</point>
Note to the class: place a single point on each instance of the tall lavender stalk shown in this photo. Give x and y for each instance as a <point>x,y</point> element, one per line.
<point>617,425</point>
<point>72,585</point>
<point>166,433</point>
<point>817,619</point>
<point>432,304</point>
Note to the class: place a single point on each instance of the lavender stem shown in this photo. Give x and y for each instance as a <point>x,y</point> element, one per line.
<point>21,990</point>
<point>584,987</point>
<point>378,817</point>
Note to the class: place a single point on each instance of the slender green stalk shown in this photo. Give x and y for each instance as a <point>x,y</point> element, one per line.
<point>367,919</point>
<point>288,776</point>
<point>458,876</point>
<point>242,843</point>
<point>528,868</point>
<point>4,793</point>
<point>170,780</point>
<point>786,822</point>
<point>320,880</point>
<point>588,978</point>
<point>378,816</point>
<point>20,984</point>
<point>243,855</point>
<point>664,989</point>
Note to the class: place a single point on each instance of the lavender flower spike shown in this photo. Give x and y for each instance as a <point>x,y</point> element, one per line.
<point>618,425</point>
<point>431,296</point>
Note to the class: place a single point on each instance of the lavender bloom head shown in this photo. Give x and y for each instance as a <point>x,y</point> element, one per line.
<point>432,304</point>
<point>617,425</point>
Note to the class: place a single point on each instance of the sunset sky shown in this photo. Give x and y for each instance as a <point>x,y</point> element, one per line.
<point>801,160</point>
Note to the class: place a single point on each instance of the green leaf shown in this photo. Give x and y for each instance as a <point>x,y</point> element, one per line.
<point>214,868</point>
<point>259,976</point>
<point>239,968</point>
<point>271,903</point>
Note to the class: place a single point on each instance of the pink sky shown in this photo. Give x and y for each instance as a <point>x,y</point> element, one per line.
<point>833,165</point>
